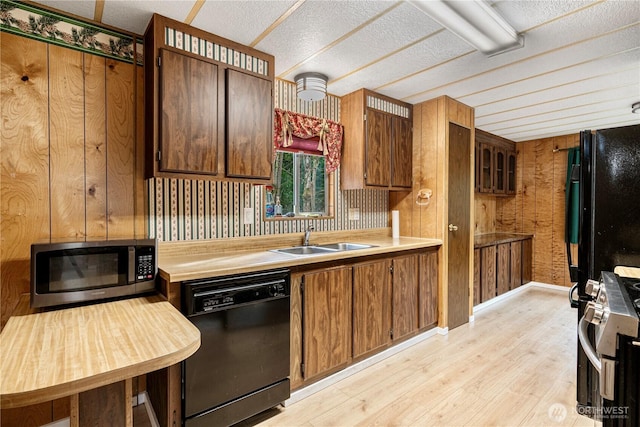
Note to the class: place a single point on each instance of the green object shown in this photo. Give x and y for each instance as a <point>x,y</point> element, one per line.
<point>572,194</point>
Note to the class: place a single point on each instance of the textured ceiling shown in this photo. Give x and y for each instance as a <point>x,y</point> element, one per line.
<point>579,68</point>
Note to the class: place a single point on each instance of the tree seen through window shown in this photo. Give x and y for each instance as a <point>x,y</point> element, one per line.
<point>299,185</point>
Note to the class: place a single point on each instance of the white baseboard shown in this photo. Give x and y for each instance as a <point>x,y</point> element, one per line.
<point>549,286</point>
<point>442,331</point>
<point>517,291</point>
<point>311,389</point>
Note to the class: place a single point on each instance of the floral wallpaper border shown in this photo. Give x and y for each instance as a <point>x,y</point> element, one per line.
<point>44,25</point>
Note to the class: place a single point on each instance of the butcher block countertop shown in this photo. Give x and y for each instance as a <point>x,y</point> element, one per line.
<point>188,260</point>
<point>53,354</point>
<point>490,239</point>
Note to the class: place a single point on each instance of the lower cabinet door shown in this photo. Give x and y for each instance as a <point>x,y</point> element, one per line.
<point>405,296</point>
<point>326,320</point>
<point>477,297</point>
<point>502,268</point>
<point>516,264</point>
<point>428,290</point>
<point>371,306</point>
<point>488,273</point>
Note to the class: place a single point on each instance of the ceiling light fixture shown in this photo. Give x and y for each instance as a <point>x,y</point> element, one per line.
<point>311,86</point>
<point>476,22</point>
<point>635,108</point>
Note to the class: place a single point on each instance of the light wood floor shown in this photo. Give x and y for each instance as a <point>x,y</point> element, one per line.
<point>508,368</point>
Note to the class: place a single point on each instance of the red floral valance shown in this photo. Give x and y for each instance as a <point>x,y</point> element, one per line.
<point>289,127</point>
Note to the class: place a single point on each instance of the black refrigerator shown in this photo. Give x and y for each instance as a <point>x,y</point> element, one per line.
<point>608,223</point>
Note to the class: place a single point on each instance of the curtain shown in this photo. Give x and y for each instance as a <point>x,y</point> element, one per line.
<point>313,135</point>
<point>572,198</point>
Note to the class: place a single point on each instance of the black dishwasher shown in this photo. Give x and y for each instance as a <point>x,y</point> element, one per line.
<point>242,365</point>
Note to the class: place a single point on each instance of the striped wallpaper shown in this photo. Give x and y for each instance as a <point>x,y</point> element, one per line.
<point>182,209</point>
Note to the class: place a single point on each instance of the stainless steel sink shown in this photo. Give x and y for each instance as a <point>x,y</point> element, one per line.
<point>344,246</point>
<point>304,250</point>
<point>322,249</point>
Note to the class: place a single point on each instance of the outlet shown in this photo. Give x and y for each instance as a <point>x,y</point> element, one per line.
<point>354,214</point>
<point>248,216</point>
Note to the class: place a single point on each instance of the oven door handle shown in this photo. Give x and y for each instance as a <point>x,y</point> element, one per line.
<point>586,345</point>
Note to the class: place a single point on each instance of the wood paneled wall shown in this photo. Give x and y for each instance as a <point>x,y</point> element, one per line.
<point>485,213</point>
<point>69,153</point>
<point>430,170</point>
<point>538,207</point>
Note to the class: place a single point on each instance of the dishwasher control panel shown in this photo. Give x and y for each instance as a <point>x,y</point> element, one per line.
<point>211,303</point>
<point>206,297</point>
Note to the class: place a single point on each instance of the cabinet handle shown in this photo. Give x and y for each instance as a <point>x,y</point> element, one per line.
<point>453,227</point>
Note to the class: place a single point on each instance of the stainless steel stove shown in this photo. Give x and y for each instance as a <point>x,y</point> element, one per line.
<point>615,354</point>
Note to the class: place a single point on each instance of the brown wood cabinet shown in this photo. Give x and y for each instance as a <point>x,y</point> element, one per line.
<point>428,289</point>
<point>326,329</point>
<point>249,124</point>
<point>477,298</point>
<point>377,152</point>
<point>189,140</point>
<point>209,105</point>
<point>405,292</point>
<point>488,278</point>
<point>501,267</point>
<point>511,172</point>
<point>527,261</point>
<point>371,306</point>
<point>343,313</point>
<point>515,271</point>
<point>495,164</point>
<point>486,168</point>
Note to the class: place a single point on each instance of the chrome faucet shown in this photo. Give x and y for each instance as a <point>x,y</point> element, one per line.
<point>307,233</point>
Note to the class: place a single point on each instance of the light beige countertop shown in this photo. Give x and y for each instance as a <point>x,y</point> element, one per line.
<point>53,354</point>
<point>188,260</point>
<point>631,272</point>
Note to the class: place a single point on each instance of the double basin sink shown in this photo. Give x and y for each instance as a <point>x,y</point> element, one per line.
<point>322,249</point>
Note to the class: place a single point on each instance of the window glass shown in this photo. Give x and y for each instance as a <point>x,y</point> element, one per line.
<point>300,186</point>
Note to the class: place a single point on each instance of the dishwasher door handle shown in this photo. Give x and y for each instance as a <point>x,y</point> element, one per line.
<point>587,346</point>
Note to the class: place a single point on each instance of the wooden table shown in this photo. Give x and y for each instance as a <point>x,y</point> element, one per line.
<point>82,351</point>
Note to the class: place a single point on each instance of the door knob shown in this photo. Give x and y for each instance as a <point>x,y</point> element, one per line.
<point>453,227</point>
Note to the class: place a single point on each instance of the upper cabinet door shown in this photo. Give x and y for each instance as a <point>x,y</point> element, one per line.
<point>378,143</point>
<point>495,164</point>
<point>486,168</point>
<point>249,126</point>
<point>511,172</point>
<point>401,153</point>
<point>499,184</point>
<point>378,148</point>
<point>188,114</point>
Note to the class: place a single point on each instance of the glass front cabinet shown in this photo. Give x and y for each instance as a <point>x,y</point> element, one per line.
<point>496,162</point>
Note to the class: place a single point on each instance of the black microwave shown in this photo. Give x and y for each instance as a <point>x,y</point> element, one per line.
<point>67,273</point>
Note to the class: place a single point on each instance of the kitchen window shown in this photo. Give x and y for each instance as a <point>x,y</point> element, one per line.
<point>300,186</point>
<point>307,152</point>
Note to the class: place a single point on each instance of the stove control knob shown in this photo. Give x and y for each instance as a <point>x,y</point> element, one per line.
<point>592,287</point>
<point>594,312</point>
